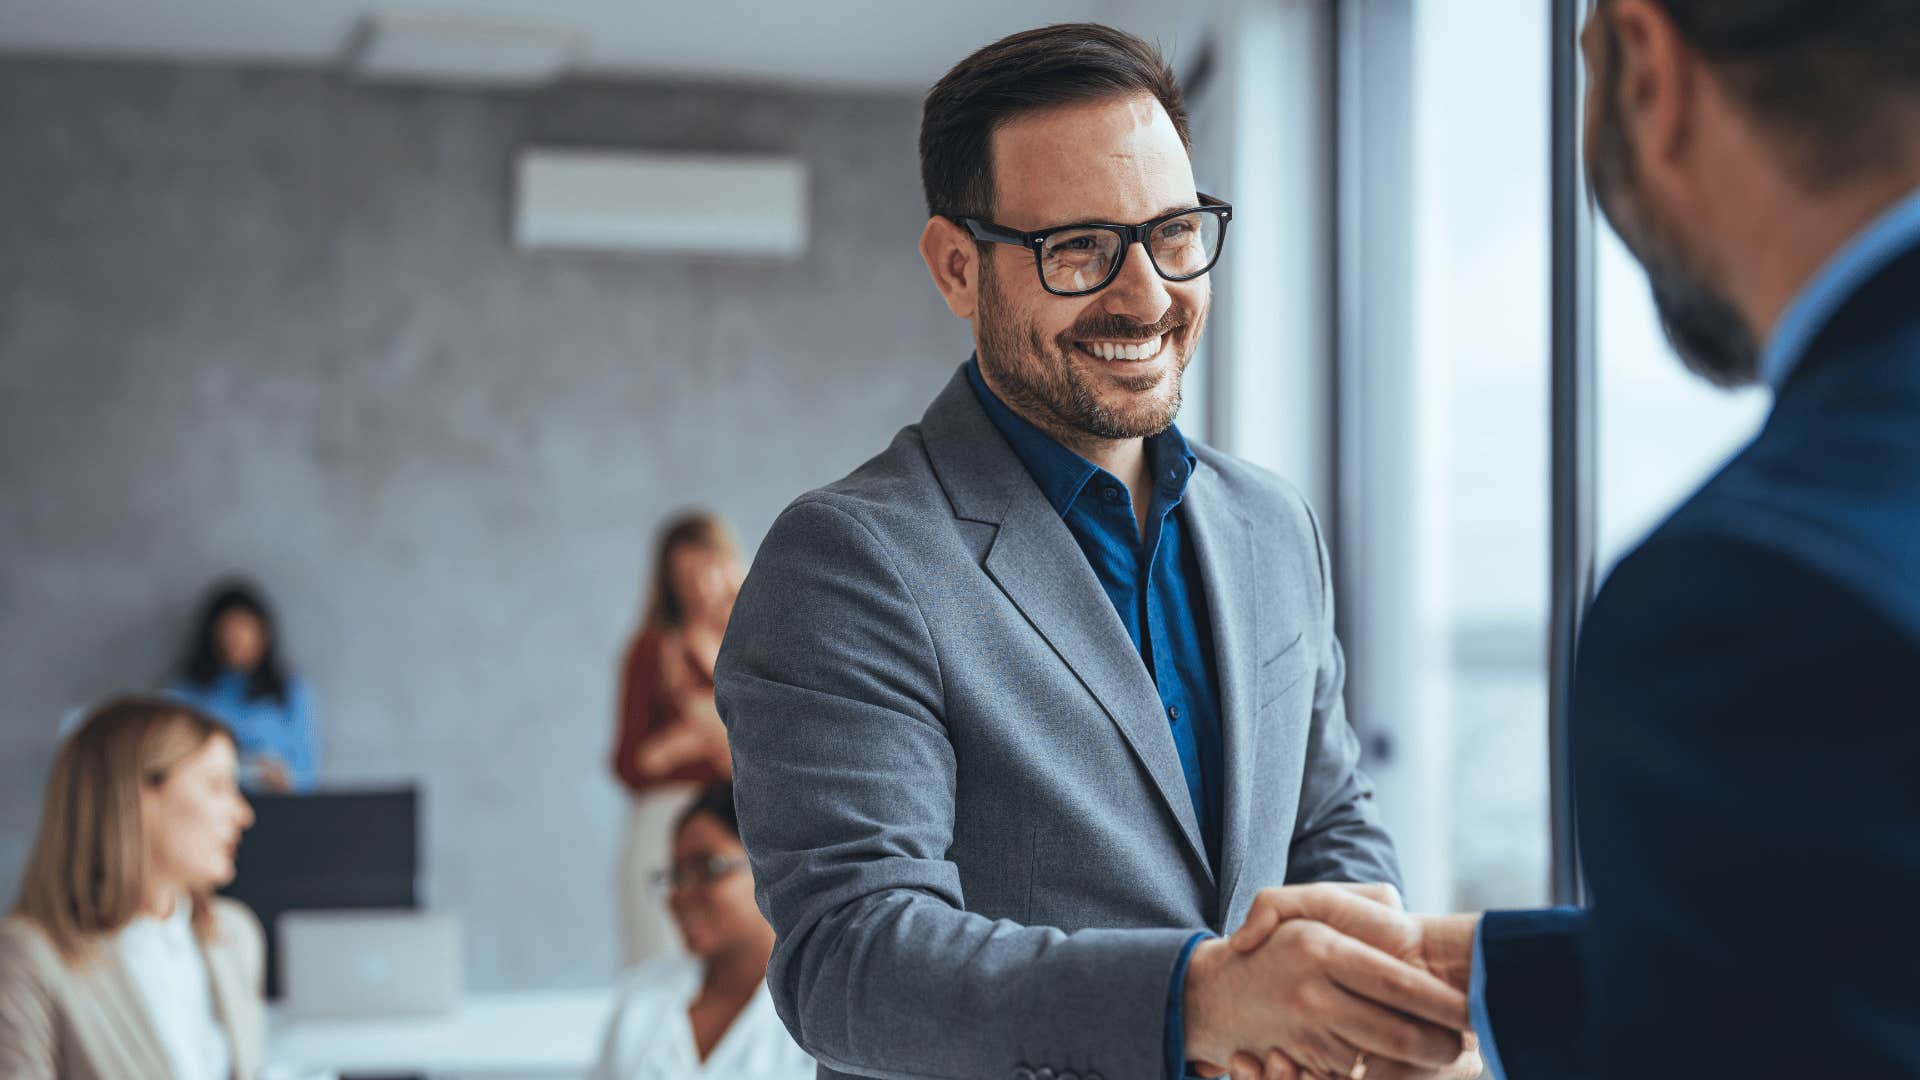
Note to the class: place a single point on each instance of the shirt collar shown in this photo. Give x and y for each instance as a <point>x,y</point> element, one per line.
<point>1063,474</point>
<point>1892,233</point>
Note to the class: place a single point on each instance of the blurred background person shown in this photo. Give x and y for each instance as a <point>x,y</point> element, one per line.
<point>233,669</point>
<point>708,1014</point>
<point>670,741</point>
<point>117,960</point>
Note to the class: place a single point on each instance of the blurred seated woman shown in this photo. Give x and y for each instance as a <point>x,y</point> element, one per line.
<point>117,960</point>
<point>708,1015</point>
<point>233,669</point>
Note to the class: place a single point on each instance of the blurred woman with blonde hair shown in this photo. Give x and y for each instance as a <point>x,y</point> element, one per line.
<point>670,742</point>
<point>117,960</point>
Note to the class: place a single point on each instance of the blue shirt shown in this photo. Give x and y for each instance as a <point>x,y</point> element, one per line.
<point>1891,234</point>
<point>262,726</point>
<point>1153,579</point>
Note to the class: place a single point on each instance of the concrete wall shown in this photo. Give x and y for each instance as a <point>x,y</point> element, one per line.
<point>271,322</point>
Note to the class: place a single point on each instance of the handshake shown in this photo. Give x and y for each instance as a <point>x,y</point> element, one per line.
<point>1333,982</point>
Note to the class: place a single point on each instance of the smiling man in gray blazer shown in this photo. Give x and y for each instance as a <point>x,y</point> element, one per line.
<point>1031,705</point>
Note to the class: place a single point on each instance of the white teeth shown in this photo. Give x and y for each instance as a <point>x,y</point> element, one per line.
<point>1109,350</point>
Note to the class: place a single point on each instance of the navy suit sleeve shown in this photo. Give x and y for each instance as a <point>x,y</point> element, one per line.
<point>1745,750</point>
<point>1534,983</point>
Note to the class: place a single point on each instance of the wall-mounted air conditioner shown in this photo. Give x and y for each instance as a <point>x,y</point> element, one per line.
<point>624,201</point>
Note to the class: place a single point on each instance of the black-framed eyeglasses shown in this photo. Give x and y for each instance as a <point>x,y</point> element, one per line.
<point>699,871</point>
<point>1074,260</point>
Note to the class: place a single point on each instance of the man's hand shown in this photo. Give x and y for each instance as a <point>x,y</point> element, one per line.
<point>1320,994</point>
<point>1441,944</point>
<point>1277,1066</point>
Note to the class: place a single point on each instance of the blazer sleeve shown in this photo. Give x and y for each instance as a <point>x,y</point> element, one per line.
<point>845,785</point>
<point>1337,835</point>
<point>1744,754</point>
<point>27,1019</point>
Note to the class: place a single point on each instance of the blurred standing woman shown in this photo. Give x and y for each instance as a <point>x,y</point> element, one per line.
<point>117,960</point>
<point>234,670</point>
<point>670,741</point>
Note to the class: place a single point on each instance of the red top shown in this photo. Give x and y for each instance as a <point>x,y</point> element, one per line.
<point>647,709</point>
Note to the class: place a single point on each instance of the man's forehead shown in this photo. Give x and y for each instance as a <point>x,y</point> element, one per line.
<point>1118,160</point>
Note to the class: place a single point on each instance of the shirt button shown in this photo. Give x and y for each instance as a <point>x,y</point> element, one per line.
<point>1112,494</point>
<point>1173,474</point>
<point>1173,711</point>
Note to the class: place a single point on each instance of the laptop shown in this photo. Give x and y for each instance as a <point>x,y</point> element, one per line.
<point>370,963</point>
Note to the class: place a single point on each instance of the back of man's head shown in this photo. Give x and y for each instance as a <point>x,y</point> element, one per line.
<point>1062,64</point>
<point>1834,83</point>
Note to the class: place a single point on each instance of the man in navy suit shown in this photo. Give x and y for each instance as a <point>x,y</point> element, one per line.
<point>1746,714</point>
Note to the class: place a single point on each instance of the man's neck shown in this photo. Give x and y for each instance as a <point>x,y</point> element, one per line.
<point>1769,267</point>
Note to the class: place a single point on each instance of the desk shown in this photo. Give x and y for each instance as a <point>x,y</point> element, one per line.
<point>537,1033</point>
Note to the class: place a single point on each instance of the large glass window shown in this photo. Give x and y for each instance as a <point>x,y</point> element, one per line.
<point>1480,351</point>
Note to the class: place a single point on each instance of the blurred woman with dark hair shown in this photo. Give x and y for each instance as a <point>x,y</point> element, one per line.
<point>670,740</point>
<point>708,1014</point>
<point>117,960</point>
<point>233,669</point>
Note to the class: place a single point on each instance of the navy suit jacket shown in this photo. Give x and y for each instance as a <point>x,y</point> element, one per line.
<point>1746,753</point>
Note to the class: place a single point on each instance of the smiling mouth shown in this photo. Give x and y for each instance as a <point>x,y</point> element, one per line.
<point>1126,351</point>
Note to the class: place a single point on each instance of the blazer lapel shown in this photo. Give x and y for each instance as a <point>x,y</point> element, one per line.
<point>1036,562</point>
<point>236,1006</point>
<point>1223,540</point>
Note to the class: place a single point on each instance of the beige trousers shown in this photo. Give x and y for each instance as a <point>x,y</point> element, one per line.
<point>646,845</point>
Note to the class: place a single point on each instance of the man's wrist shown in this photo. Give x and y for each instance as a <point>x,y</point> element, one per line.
<point>1196,1012</point>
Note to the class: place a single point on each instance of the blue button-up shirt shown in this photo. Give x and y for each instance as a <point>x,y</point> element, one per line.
<point>1152,576</point>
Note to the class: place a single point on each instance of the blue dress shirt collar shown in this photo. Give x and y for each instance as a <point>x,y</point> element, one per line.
<point>1063,474</point>
<point>1893,232</point>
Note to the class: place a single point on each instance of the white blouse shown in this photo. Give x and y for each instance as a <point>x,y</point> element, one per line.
<point>649,1036</point>
<point>165,962</point>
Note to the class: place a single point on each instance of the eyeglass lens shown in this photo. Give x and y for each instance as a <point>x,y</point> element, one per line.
<point>1078,260</point>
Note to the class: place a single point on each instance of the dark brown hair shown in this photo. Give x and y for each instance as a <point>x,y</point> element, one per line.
<point>715,800</point>
<point>697,529</point>
<point>1838,81</point>
<point>1062,64</point>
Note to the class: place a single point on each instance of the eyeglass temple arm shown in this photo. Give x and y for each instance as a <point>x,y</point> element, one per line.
<point>984,230</point>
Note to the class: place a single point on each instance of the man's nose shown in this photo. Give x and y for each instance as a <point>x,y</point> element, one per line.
<point>1137,292</point>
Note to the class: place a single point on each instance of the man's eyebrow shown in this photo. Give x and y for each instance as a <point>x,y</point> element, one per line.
<point>1163,212</point>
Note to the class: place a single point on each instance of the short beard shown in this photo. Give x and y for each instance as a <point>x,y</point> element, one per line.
<point>1708,332</point>
<point>1043,381</point>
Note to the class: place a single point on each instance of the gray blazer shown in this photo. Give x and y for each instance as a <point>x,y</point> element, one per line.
<point>964,808</point>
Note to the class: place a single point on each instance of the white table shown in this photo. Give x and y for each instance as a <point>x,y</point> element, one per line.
<point>533,1033</point>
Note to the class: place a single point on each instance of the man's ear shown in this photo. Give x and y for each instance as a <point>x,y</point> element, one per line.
<point>1659,78</point>
<point>954,261</point>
